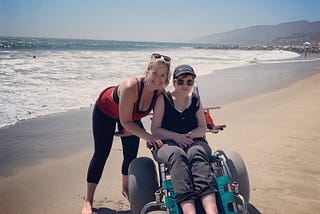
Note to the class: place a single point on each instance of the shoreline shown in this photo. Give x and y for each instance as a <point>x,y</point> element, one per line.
<point>210,76</point>
<point>271,129</point>
<point>71,131</point>
<point>233,84</point>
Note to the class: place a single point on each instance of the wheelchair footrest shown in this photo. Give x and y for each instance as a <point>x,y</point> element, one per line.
<point>170,199</point>
<point>226,198</point>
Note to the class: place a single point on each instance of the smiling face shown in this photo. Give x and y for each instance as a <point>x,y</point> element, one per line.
<point>158,76</point>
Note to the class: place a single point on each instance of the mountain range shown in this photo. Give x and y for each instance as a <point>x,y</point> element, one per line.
<point>288,33</point>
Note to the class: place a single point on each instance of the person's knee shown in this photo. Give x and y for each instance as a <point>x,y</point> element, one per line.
<point>168,152</point>
<point>196,152</point>
<point>177,156</point>
<point>199,150</point>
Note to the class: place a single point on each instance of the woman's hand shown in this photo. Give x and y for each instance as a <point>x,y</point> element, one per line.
<point>154,143</point>
<point>183,140</point>
<point>191,135</point>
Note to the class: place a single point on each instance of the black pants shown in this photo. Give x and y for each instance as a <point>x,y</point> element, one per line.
<point>190,169</point>
<point>103,128</point>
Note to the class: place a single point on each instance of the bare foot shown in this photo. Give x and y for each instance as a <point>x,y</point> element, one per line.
<point>87,209</point>
<point>125,194</point>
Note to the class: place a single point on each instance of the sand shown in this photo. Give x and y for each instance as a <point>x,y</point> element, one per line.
<point>278,136</point>
<point>276,132</point>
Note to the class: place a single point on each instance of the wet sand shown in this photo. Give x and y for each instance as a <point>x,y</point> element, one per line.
<point>274,128</point>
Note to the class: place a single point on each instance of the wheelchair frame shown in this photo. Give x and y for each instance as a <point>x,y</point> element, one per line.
<point>229,199</point>
<point>228,196</point>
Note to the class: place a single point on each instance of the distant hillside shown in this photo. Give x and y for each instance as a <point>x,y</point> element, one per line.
<point>296,32</point>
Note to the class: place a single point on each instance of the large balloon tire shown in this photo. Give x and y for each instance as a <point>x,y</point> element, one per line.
<point>142,182</point>
<point>238,172</point>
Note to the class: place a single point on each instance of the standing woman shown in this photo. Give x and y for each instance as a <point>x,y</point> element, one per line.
<point>125,104</point>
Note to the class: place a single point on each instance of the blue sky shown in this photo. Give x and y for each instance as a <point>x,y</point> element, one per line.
<point>146,20</point>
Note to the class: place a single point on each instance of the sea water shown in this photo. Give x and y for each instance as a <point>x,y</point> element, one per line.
<point>40,76</point>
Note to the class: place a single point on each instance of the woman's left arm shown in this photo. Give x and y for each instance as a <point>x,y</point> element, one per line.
<point>200,131</point>
<point>128,96</point>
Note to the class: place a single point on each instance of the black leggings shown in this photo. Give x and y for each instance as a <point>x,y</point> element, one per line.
<point>103,128</point>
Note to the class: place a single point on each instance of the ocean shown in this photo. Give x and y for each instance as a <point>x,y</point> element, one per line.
<point>42,76</point>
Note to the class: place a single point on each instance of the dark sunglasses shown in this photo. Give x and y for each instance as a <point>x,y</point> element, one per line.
<point>189,82</point>
<point>158,56</point>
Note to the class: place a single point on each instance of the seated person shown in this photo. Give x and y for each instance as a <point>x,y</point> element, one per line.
<point>178,120</point>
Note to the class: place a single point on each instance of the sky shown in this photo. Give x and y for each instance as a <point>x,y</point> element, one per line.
<point>146,20</point>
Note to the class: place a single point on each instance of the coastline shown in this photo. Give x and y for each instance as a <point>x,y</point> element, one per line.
<point>270,128</point>
<point>293,48</point>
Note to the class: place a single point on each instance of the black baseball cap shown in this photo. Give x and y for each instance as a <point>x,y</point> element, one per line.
<point>183,69</point>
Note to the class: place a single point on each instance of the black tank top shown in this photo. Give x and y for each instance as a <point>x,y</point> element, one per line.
<point>180,122</point>
<point>115,97</point>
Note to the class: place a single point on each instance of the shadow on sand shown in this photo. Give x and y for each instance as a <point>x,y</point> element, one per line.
<point>104,210</point>
<point>251,210</point>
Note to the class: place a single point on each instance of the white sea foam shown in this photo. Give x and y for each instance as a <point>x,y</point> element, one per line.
<point>57,81</point>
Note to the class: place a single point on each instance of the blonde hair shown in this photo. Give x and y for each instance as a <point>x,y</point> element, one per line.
<point>156,61</point>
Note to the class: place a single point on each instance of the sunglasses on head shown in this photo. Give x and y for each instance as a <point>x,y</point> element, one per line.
<point>158,56</point>
<point>189,82</point>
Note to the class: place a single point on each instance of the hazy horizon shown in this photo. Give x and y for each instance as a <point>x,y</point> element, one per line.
<point>147,21</point>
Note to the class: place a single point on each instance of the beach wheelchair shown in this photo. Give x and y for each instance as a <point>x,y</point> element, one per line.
<point>147,195</point>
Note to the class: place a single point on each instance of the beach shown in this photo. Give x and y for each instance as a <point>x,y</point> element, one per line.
<point>274,129</point>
